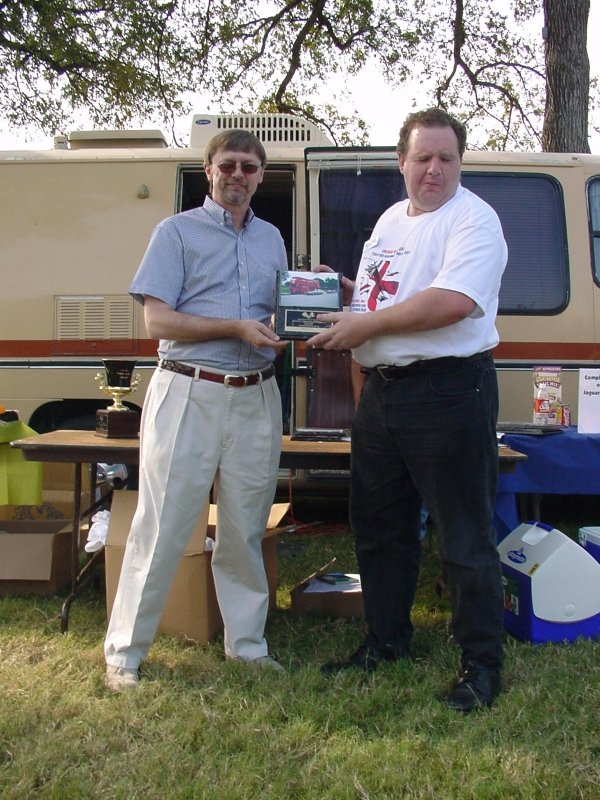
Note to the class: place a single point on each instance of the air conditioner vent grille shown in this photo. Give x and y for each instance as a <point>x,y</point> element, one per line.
<point>284,130</point>
<point>99,317</point>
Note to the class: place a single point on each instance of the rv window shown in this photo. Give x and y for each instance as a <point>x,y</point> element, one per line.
<point>530,207</point>
<point>531,210</point>
<point>594,215</point>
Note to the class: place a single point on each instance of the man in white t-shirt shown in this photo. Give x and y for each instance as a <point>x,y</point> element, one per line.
<point>422,324</point>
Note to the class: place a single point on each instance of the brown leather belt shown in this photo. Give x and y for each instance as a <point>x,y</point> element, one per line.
<point>229,380</point>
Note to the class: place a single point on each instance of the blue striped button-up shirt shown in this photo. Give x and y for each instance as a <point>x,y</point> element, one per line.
<point>198,263</point>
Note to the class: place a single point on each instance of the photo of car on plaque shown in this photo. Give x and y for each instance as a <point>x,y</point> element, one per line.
<point>300,297</point>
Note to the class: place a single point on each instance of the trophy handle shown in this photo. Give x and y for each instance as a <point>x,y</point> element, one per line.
<point>117,393</point>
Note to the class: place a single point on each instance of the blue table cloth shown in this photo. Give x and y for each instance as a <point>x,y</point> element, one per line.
<point>566,462</point>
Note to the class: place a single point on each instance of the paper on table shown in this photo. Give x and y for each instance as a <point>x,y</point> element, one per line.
<point>588,410</point>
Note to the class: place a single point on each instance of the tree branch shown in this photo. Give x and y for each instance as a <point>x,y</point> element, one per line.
<point>477,82</point>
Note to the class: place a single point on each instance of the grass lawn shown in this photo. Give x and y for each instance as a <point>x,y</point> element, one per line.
<point>200,727</point>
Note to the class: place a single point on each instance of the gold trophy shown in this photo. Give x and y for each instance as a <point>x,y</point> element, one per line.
<point>118,381</point>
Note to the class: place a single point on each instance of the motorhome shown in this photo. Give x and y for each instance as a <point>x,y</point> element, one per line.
<point>76,220</point>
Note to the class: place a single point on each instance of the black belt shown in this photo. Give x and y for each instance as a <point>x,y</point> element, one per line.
<point>392,372</point>
<point>228,380</point>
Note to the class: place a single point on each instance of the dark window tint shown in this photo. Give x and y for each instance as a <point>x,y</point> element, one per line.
<point>531,210</point>
<point>351,201</point>
<point>530,207</point>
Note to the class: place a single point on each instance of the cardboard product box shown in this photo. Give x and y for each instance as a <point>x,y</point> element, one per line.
<point>191,611</point>
<point>589,537</point>
<point>35,540</point>
<point>312,596</point>
<point>35,557</point>
<point>57,504</point>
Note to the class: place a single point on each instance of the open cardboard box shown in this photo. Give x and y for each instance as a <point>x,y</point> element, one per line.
<point>35,556</point>
<point>35,540</point>
<point>191,611</point>
<point>334,601</point>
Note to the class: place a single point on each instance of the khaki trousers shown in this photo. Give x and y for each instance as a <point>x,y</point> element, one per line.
<point>192,430</point>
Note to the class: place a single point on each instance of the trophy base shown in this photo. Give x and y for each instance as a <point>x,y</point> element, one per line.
<point>117,424</point>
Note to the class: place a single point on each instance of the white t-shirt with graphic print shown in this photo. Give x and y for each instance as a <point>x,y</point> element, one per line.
<point>460,247</point>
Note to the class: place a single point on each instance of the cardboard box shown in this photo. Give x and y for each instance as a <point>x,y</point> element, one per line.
<point>60,476</point>
<point>330,601</point>
<point>35,557</point>
<point>57,494</point>
<point>191,611</point>
<point>57,504</point>
<point>35,540</point>
<point>57,497</point>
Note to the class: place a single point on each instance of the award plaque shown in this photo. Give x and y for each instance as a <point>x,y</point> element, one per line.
<point>300,297</point>
<point>118,381</point>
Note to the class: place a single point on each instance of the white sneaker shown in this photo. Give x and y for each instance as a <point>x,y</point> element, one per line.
<point>119,679</point>
<point>265,663</point>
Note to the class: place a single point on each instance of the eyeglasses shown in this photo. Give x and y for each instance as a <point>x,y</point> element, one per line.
<point>229,167</point>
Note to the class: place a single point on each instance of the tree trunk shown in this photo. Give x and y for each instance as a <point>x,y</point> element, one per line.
<point>567,77</point>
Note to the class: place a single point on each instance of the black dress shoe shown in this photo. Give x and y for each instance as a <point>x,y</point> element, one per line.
<point>477,687</point>
<point>366,658</point>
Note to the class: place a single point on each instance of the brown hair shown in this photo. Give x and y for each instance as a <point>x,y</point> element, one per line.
<point>431,118</point>
<point>235,139</point>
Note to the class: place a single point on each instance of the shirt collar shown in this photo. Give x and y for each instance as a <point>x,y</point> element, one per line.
<point>221,215</point>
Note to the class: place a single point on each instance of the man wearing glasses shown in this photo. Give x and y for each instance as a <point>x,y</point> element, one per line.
<point>207,285</point>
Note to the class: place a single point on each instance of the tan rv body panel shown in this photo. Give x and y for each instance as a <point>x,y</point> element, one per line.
<point>75,225</point>
<point>579,324</point>
<point>72,228</point>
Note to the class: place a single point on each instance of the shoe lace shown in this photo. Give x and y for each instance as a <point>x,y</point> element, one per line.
<point>470,674</point>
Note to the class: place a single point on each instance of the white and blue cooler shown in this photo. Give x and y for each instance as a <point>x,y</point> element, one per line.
<point>551,585</point>
<point>589,537</point>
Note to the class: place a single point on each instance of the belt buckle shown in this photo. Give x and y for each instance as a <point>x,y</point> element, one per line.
<point>228,380</point>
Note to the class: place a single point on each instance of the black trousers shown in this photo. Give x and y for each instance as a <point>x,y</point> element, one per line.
<point>429,435</point>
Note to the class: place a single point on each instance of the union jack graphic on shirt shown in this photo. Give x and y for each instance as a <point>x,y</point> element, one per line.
<point>377,284</point>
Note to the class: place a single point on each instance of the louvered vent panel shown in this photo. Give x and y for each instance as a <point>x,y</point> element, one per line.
<point>94,320</point>
<point>121,318</point>
<point>281,129</point>
<point>78,317</point>
<point>68,320</point>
